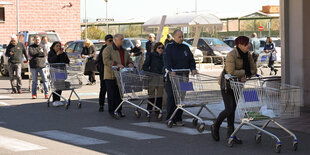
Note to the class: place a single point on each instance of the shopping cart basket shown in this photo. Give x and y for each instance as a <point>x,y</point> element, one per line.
<point>66,77</point>
<point>134,85</point>
<point>194,91</point>
<point>258,100</point>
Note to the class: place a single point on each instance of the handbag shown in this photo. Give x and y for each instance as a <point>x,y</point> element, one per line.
<point>90,65</point>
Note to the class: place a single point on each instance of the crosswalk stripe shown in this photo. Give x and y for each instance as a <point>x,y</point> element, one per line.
<point>70,138</point>
<point>18,145</point>
<point>123,133</point>
<point>5,97</point>
<point>224,124</point>
<point>183,130</point>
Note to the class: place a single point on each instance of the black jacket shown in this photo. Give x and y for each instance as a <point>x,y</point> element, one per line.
<point>149,47</point>
<point>99,60</point>
<point>19,50</point>
<point>90,51</point>
<point>137,50</point>
<point>54,58</point>
<point>37,55</point>
<point>154,63</point>
<point>178,56</point>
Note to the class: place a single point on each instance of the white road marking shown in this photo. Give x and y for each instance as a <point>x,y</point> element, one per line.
<point>70,138</point>
<point>124,133</point>
<point>183,130</point>
<point>224,124</point>
<point>18,145</point>
<point>5,97</point>
<point>3,103</point>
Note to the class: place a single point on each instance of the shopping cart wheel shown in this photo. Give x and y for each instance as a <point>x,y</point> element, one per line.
<point>201,127</point>
<point>258,138</point>
<point>67,105</point>
<point>195,122</point>
<point>79,105</point>
<point>160,117</point>
<point>148,117</point>
<point>278,148</point>
<point>230,142</point>
<point>169,123</point>
<point>138,113</point>
<point>295,146</point>
<point>117,116</point>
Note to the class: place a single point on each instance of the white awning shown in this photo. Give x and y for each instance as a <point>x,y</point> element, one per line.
<point>186,20</point>
<point>5,3</point>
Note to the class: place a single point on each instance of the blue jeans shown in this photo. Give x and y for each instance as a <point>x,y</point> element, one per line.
<point>34,74</point>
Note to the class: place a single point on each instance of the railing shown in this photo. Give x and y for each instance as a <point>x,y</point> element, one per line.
<point>211,58</point>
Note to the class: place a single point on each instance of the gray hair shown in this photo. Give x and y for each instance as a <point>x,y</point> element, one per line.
<point>176,31</point>
<point>118,35</point>
<point>152,35</point>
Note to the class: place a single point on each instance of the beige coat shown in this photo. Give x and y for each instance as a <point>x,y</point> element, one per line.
<point>234,65</point>
<point>111,57</point>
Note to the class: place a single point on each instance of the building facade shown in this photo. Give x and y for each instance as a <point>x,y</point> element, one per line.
<point>62,16</point>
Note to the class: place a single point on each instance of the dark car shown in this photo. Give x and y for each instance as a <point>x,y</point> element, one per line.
<point>212,47</point>
<point>230,42</point>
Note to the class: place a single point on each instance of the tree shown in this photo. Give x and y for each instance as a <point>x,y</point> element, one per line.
<point>94,33</point>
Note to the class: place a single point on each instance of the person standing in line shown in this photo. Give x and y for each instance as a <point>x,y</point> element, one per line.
<point>115,55</point>
<point>177,56</point>
<point>137,53</point>
<point>15,51</point>
<point>56,55</point>
<point>239,63</point>
<point>255,47</point>
<point>169,39</point>
<point>149,45</point>
<point>155,63</point>
<point>100,67</point>
<point>270,48</point>
<point>89,52</point>
<point>46,44</point>
<point>37,65</point>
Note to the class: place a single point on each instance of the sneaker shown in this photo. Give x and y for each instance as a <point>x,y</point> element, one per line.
<point>20,91</point>
<point>89,83</point>
<point>58,103</point>
<point>34,96</point>
<point>46,96</point>
<point>179,123</point>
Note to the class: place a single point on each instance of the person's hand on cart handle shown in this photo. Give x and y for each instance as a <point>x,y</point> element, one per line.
<point>243,79</point>
<point>173,73</point>
<point>120,66</point>
<point>131,65</point>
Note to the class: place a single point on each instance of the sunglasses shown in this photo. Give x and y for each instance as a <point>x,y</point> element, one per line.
<point>110,40</point>
<point>160,47</point>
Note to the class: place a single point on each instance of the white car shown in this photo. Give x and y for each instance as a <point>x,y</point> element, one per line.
<point>198,55</point>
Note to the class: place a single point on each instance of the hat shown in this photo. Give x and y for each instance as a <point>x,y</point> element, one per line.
<point>109,36</point>
<point>13,36</point>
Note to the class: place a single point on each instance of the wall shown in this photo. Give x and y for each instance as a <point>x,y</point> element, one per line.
<point>42,15</point>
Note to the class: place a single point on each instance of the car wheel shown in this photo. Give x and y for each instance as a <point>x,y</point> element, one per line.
<point>3,70</point>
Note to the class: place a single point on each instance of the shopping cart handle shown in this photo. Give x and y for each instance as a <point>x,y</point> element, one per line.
<point>180,70</point>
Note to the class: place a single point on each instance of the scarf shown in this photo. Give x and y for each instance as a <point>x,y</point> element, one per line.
<point>246,62</point>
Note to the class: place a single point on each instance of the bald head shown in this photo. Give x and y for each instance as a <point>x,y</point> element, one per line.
<point>118,40</point>
<point>178,36</point>
<point>254,35</point>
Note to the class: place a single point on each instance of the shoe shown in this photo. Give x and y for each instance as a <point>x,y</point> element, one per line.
<point>275,71</point>
<point>47,96</point>
<point>101,109</point>
<point>13,92</point>
<point>215,133</point>
<point>236,140</point>
<point>121,114</point>
<point>89,83</point>
<point>179,123</point>
<point>34,96</point>
<point>58,103</point>
<point>93,83</point>
<point>20,91</point>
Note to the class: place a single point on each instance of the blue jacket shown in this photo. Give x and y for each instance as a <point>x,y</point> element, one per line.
<point>154,63</point>
<point>178,56</point>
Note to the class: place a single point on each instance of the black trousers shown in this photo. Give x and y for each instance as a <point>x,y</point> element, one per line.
<point>114,98</point>
<point>91,76</point>
<point>171,106</point>
<point>56,97</point>
<point>103,90</point>
<point>228,112</point>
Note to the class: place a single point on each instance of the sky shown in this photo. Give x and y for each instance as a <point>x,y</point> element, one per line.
<point>127,9</point>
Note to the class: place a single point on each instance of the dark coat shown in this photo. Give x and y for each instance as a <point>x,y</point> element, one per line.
<point>154,63</point>
<point>91,52</point>
<point>54,58</point>
<point>99,60</point>
<point>149,47</point>
<point>37,54</point>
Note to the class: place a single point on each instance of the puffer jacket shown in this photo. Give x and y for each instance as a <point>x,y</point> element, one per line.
<point>37,56</point>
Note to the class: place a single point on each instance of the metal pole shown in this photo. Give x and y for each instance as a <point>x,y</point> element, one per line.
<point>17,15</point>
<point>85,22</point>
<point>106,16</point>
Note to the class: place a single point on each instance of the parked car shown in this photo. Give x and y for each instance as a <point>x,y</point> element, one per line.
<point>28,40</point>
<point>230,42</point>
<point>212,47</point>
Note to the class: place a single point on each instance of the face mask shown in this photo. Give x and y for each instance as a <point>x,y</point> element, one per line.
<point>268,43</point>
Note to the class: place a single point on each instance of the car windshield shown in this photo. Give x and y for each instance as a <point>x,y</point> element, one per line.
<point>277,43</point>
<point>214,42</point>
<point>98,46</point>
<point>52,37</point>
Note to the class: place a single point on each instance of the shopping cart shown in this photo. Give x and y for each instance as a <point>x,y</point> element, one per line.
<point>194,91</point>
<point>259,100</point>
<point>263,61</point>
<point>66,77</point>
<point>134,85</point>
